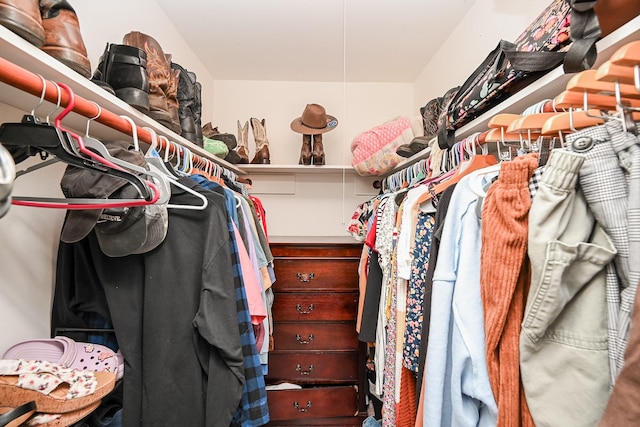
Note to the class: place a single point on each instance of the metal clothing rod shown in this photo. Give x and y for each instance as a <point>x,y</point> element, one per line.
<point>32,83</point>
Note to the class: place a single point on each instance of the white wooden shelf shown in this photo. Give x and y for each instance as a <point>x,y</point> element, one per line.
<point>297,169</point>
<point>547,87</point>
<point>20,52</point>
<point>25,55</point>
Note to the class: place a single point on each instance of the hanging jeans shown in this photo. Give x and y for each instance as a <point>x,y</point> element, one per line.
<point>563,344</point>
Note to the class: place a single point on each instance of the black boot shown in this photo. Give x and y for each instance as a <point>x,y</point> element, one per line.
<point>124,69</point>
<point>197,112</point>
<point>186,104</point>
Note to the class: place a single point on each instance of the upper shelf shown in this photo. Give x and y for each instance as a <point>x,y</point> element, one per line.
<point>23,54</point>
<point>298,169</point>
<point>548,86</point>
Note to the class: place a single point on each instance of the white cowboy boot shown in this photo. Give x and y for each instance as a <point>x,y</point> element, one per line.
<point>243,142</point>
<point>262,143</point>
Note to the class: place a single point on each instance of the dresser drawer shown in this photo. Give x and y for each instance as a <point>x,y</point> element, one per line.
<point>316,274</point>
<point>324,422</point>
<point>317,402</point>
<point>302,336</point>
<point>314,250</point>
<point>311,307</point>
<point>317,367</point>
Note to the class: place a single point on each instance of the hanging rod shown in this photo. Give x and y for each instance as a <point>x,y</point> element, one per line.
<point>32,83</point>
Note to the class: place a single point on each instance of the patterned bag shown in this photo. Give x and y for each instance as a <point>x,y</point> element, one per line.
<point>545,44</point>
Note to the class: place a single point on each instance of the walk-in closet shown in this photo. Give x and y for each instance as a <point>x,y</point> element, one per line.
<point>246,213</point>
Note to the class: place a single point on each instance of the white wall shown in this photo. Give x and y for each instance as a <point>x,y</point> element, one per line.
<point>29,236</point>
<point>477,34</point>
<point>311,205</point>
<point>28,244</point>
<point>357,106</point>
<point>108,23</point>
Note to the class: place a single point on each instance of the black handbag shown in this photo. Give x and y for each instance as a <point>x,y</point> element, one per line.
<point>565,32</point>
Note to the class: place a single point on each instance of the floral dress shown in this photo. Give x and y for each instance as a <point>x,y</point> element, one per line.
<point>415,296</point>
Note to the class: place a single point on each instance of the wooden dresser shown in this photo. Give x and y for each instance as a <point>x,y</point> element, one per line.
<point>315,342</point>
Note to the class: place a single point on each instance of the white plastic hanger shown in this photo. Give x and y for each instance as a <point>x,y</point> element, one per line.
<point>153,159</point>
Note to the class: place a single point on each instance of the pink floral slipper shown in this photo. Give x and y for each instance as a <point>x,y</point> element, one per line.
<point>68,353</point>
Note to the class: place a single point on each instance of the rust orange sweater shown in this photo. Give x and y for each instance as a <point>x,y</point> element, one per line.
<point>504,282</point>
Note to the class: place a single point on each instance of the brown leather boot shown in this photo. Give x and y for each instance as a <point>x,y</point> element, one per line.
<point>159,70</point>
<point>262,143</point>
<point>243,142</point>
<point>172,98</point>
<point>62,37</point>
<point>318,150</point>
<point>23,18</point>
<point>208,130</point>
<point>305,151</point>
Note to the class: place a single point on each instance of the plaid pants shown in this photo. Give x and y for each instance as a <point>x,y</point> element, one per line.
<point>610,180</point>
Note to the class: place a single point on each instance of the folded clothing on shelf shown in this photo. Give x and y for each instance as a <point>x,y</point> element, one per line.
<point>374,151</point>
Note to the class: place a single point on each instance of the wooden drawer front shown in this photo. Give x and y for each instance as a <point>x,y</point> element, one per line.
<point>315,336</point>
<point>324,422</point>
<point>311,307</point>
<point>306,368</point>
<point>321,402</point>
<point>308,250</point>
<point>333,274</point>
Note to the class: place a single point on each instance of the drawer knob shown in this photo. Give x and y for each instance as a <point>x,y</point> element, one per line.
<point>297,406</point>
<point>301,341</point>
<point>307,311</point>
<point>305,277</point>
<point>308,372</point>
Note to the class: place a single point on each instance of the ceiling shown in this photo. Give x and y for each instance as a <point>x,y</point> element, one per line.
<point>325,40</point>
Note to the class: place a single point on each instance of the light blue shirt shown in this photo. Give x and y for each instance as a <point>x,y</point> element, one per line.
<point>458,392</point>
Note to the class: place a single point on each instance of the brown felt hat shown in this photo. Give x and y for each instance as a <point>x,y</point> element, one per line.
<point>314,121</point>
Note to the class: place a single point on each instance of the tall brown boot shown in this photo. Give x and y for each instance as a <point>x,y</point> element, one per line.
<point>305,151</point>
<point>172,98</point>
<point>159,70</point>
<point>23,18</point>
<point>262,143</point>
<point>62,37</point>
<point>318,150</point>
<point>243,142</point>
